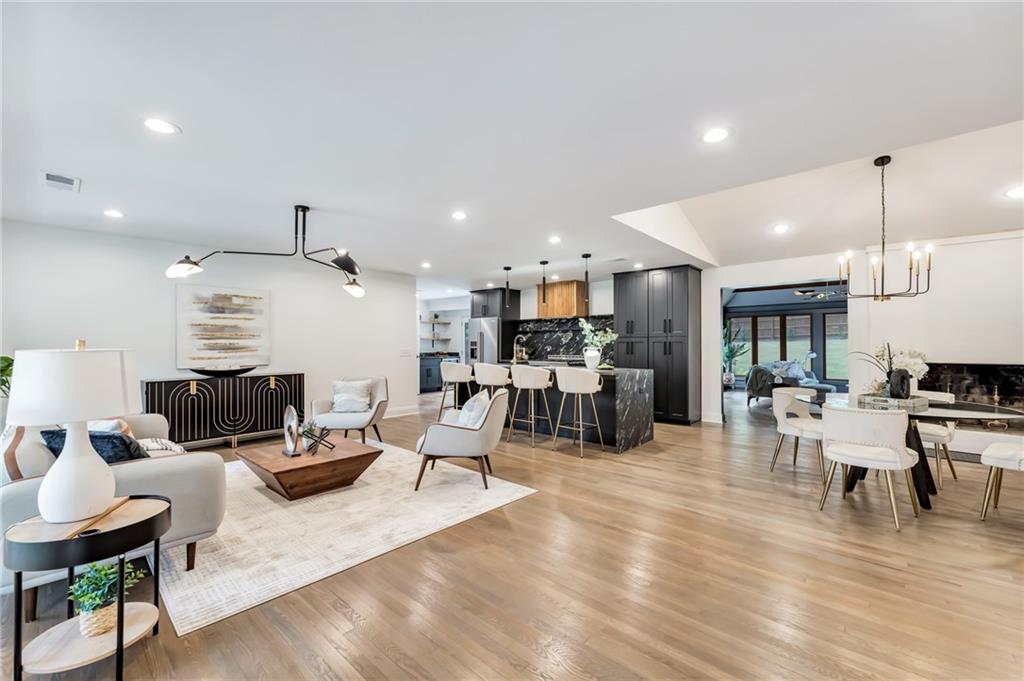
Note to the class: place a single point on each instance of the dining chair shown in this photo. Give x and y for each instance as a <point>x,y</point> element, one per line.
<point>868,438</point>
<point>793,417</point>
<point>999,457</point>
<point>938,434</point>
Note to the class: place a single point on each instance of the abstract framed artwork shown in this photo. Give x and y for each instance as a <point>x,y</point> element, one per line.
<point>222,327</point>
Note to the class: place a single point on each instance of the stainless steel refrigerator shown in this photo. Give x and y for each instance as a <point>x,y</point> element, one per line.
<point>484,340</point>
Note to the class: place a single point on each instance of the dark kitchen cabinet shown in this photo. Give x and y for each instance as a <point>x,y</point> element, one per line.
<point>657,317</point>
<point>631,304</point>
<point>430,374</point>
<point>493,302</point>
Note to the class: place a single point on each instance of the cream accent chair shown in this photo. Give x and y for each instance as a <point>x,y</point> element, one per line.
<point>447,439</point>
<point>355,420</point>
<point>868,438</point>
<point>999,457</point>
<point>453,375</point>
<point>937,434</point>
<point>530,379</point>
<point>194,482</point>
<point>793,417</point>
<point>576,383</point>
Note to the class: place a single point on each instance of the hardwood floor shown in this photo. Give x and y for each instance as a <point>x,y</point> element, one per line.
<point>684,559</point>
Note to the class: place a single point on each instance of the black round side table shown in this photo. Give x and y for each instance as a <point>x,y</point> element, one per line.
<point>36,545</point>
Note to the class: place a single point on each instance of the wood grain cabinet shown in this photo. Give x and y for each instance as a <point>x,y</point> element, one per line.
<point>564,299</point>
<point>657,317</point>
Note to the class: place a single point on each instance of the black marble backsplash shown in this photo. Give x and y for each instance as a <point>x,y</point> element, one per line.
<point>1001,384</point>
<point>562,336</point>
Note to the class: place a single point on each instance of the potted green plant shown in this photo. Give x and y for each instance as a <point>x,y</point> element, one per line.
<point>95,593</point>
<point>6,371</point>
<point>731,351</point>
<point>595,341</point>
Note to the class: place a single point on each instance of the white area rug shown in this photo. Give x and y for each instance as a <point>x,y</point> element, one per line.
<point>268,546</point>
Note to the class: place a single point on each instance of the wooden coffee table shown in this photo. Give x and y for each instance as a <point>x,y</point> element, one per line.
<point>308,474</point>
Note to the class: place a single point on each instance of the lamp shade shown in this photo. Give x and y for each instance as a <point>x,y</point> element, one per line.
<point>64,386</point>
<point>345,263</point>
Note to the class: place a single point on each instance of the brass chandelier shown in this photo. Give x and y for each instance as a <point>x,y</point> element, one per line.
<point>914,257</point>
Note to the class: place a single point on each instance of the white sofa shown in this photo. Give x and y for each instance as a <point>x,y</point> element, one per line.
<point>194,482</point>
<point>354,420</point>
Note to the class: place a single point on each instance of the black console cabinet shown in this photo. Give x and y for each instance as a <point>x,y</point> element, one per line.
<point>657,317</point>
<point>206,410</point>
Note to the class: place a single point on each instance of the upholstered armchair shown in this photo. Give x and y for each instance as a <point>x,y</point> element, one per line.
<point>324,417</point>
<point>446,439</point>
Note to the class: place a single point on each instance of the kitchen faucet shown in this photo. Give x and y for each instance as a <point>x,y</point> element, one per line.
<point>518,349</point>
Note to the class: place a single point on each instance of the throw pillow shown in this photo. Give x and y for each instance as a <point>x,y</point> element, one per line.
<point>150,444</point>
<point>110,426</point>
<point>112,447</point>
<point>474,410</point>
<point>352,396</point>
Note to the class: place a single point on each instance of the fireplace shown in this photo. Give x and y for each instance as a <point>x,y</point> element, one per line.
<point>993,384</point>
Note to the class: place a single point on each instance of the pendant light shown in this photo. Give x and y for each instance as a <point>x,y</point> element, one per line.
<point>878,291</point>
<point>507,291</point>
<point>544,281</point>
<point>586,277</point>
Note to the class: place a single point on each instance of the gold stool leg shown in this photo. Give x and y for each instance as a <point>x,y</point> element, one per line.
<point>597,421</point>
<point>512,423</point>
<point>547,410</point>
<point>444,393</point>
<point>988,492</point>
<point>775,456</point>
<point>821,459</point>
<point>579,412</point>
<point>949,460</point>
<point>892,499</point>
<point>827,484</point>
<point>846,473</point>
<point>796,446</point>
<point>999,487</point>
<point>558,424</point>
<point>913,492</point>
<point>533,420</point>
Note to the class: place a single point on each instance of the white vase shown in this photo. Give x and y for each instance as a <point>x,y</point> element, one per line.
<point>591,357</point>
<point>79,484</point>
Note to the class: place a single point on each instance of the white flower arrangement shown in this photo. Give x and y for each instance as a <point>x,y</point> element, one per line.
<point>887,360</point>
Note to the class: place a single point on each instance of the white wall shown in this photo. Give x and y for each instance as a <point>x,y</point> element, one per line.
<point>59,285</point>
<point>973,313</point>
<point>601,299</point>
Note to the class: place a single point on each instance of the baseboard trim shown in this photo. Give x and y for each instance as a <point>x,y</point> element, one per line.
<point>711,417</point>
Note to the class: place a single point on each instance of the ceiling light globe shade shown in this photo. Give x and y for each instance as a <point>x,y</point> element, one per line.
<point>780,229</point>
<point>355,289</point>
<point>715,135</point>
<point>161,126</point>
<point>345,263</point>
<point>183,268</point>
<point>1015,193</point>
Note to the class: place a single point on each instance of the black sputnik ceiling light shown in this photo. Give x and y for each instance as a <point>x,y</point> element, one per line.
<point>342,260</point>
<point>586,277</point>
<point>507,292</point>
<point>544,281</point>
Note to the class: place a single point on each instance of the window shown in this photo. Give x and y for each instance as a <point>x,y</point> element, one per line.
<point>741,329</point>
<point>798,338</point>
<point>769,339</point>
<point>836,347</point>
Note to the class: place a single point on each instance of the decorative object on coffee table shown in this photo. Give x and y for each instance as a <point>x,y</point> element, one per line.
<point>305,475</point>
<point>35,545</point>
<point>71,387</point>
<point>293,445</point>
<point>313,436</point>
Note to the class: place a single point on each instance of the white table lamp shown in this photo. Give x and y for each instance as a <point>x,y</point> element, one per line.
<point>70,387</point>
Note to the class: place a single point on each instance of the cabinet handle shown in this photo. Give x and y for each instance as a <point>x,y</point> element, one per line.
<point>664,326</point>
<point>670,326</point>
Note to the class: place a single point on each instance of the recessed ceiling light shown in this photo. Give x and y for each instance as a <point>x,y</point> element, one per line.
<point>1015,193</point>
<point>637,265</point>
<point>490,284</point>
<point>459,215</point>
<point>555,239</point>
<point>450,291</point>
<point>555,277</point>
<point>161,126</point>
<point>780,229</point>
<point>715,135</point>
<point>425,265</point>
<point>113,213</point>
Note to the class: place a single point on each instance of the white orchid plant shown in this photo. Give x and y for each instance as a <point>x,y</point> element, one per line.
<point>887,360</point>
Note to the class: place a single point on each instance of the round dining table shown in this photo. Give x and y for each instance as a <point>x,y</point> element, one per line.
<point>924,484</point>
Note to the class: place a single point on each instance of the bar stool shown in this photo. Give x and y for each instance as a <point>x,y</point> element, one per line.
<point>453,374</point>
<point>577,383</point>
<point>491,377</point>
<point>530,379</point>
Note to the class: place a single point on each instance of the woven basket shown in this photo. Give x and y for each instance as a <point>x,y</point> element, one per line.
<point>98,621</point>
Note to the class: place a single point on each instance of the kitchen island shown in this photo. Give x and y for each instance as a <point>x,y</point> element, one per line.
<point>625,408</point>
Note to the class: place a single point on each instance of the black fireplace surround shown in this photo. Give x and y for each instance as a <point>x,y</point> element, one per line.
<point>992,384</point>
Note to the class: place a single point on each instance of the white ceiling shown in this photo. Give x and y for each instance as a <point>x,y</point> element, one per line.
<point>536,119</point>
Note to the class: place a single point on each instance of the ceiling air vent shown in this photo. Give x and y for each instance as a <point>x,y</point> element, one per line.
<point>62,182</point>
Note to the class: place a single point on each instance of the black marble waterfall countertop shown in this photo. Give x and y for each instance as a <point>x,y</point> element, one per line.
<point>625,409</point>
<point>561,336</point>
